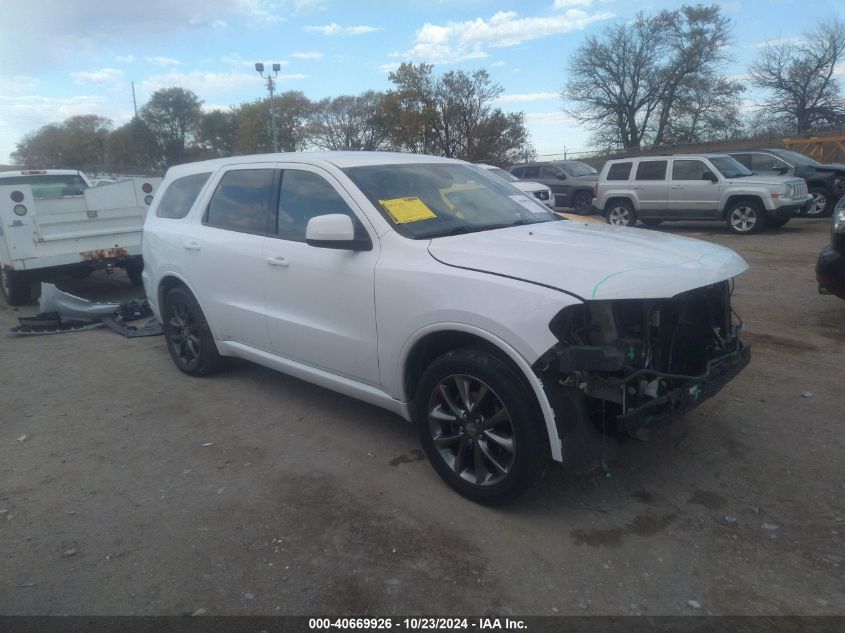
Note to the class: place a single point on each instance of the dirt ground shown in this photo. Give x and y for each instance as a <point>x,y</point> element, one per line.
<point>138,490</point>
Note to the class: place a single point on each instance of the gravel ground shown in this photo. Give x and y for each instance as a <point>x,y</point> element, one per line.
<point>128,488</point>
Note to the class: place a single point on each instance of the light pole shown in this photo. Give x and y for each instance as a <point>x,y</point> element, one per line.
<point>271,86</point>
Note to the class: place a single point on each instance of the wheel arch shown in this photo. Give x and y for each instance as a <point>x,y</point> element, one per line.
<point>171,280</point>
<point>433,342</point>
<point>611,199</point>
<point>743,197</point>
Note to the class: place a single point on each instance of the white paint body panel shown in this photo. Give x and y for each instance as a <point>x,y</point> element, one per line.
<point>56,231</point>
<point>349,320</point>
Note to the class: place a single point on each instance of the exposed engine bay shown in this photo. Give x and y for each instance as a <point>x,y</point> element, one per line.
<point>639,361</point>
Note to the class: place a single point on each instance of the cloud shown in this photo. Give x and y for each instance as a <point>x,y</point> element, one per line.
<point>212,84</point>
<point>336,29</point>
<point>126,59</point>
<point>102,76</point>
<point>17,84</point>
<point>163,61</point>
<point>536,118</point>
<point>307,55</point>
<point>389,68</point>
<point>779,41</point>
<point>498,63</point>
<point>528,98</point>
<point>456,41</point>
<point>568,4</point>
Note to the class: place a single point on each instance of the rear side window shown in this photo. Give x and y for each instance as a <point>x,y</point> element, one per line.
<point>619,171</point>
<point>305,195</point>
<point>180,196</point>
<point>242,201</point>
<point>552,172</point>
<point>651,170</point>
<point>530,172</point>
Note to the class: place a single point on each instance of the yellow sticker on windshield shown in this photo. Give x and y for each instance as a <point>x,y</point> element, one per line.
<point>404,210</point>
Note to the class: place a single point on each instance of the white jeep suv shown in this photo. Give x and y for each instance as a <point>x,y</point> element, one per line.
<point>435,290</point>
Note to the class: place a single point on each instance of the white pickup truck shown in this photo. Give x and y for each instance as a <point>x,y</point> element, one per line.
<point>54,221</point>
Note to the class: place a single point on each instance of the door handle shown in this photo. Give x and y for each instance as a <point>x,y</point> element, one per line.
<point>637,186</point>
<point>278,261</point>
<point>677,186</point>
<point>192,246</point>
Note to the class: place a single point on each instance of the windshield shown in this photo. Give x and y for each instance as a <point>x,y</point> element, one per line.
<point>730,167</point>
<point>795,157</point>
<point>501,173</point>
<point>49,185</point>
<point>426,200</point>
<point>577,168</point>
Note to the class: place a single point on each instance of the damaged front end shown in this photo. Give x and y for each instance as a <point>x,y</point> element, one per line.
<point>629,365</point>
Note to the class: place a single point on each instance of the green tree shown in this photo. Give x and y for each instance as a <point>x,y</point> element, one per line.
<point>172,115</point>
<point>132,148</point>
<point>77,143</point>
<point>216,133</point>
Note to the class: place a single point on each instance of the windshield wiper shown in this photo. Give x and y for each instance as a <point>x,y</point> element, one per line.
<point>463,229</point>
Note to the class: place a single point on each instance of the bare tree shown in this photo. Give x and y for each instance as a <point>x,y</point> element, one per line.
<point>630,82</point>
<point>803,91</point>
<point>349,123</point>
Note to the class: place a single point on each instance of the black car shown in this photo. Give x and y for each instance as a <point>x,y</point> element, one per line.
<point>571,181</point>
<point>825,182</point>
<point>830,268</point>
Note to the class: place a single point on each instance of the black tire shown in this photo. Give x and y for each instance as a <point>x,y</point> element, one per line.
<point>472,455</point>
<point>80,271</point>
<point>15,285</point>
<point>745,217</point>
<point>582,203</point>
<point>134,268</point>
<point>620,213</point>
<point>822,205</point>
<point>189,339</point>
<point>651,221</point>
<point>776,224</point>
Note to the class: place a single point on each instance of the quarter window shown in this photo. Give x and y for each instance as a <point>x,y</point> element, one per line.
<point>651,170</point>
<point>619,171</point>
<point>689,170</point>
<point>305,195</point>
<point>180,196</point>
<point>242,201</point>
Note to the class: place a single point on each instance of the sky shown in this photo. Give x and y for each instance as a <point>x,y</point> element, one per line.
<point>60,58</point>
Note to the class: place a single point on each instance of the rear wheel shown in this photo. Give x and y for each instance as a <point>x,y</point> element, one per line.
<point>15,285</point>
<point>621,213</point>
<point>745,217</point>
<point>479,426</point>
<point>822,203</point>
<point>189,338</point>
<point>134,268</point>
<point>582,202</point>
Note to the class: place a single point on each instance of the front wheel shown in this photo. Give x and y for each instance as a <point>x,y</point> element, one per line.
<point>479,426</point>
<point>582,203</point>
<point>745,217</point>
<point>15,285</point>
<point>189,339</point>
<point>621,213</point>
<point>822,203</point>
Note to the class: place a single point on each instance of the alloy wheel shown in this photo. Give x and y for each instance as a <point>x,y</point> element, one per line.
<point>184,333</point>
<point>619,216</point>
<point>744,218</point>
<point>472,430</point>
<point>819,204</point>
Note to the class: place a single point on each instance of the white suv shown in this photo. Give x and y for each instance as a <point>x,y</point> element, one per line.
<point>433,289</point>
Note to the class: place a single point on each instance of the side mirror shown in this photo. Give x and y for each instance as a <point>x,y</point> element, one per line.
<point>561,176</point>
<point>335,230</point>
<point>709,175</point>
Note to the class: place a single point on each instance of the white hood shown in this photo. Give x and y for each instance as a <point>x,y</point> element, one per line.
<point>592,261</point>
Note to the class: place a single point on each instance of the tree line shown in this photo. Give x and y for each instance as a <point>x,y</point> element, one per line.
<point>659,81</point>
<point>451,115</point>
